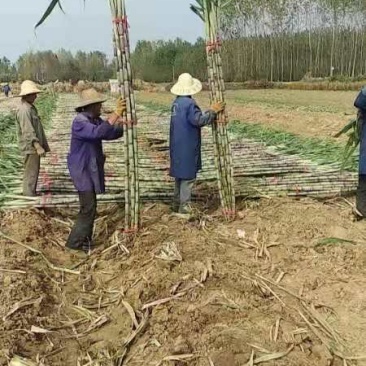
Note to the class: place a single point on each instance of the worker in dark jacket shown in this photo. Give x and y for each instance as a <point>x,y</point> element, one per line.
<point>360,104</point>
<point>186,122</point>
<point>86,161</point>
<point>7,90</point>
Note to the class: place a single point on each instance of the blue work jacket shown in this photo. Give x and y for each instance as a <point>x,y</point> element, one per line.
<point>186,122</point>
<point>86,159</point>
<point>362,157</point>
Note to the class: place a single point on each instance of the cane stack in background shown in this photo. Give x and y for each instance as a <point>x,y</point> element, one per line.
<point>209,12</point>
<point>124,75</point>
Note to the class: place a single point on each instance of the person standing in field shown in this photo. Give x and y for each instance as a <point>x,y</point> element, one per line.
<point>86,161</point>
<point>6,90</point>
<point>360,209</point>
<point>186,122</point>
<point>31,136</point>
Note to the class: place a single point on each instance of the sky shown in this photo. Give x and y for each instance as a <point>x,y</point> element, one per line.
<point>89,28</point>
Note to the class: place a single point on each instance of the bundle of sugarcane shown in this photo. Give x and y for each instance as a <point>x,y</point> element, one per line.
<point>353,130</point>
<point>124,74</point>
<point>208,11</point>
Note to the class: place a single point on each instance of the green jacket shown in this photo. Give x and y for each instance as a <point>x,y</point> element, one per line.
<point>29,129</point>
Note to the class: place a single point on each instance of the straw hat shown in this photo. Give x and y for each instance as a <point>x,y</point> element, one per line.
<point>28,87</point>
<point>89,96</point>
<point>186,85</point>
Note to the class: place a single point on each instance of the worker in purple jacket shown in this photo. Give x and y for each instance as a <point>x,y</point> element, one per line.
<point>186,122</point>
<point>86,161</point>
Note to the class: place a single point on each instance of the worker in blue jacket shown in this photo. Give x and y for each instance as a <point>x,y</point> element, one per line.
<point>186,122</point>
<point>7,90</point>
<point>86,161</point>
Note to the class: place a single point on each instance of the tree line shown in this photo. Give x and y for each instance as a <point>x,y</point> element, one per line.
<point>46,66</point>
<point>275,40</point>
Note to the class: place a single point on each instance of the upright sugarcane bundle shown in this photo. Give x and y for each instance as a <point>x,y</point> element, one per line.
<point>124,74</point>
<point>208,11</point>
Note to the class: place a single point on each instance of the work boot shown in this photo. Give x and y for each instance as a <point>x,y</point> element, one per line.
<point>175,206</point>
<point>185,211</point>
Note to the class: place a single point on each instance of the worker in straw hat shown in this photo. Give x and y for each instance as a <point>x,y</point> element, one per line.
<point>31,136</point>
<point>186,122</point>
<point>86,160</point>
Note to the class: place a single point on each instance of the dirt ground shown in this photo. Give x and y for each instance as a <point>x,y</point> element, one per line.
<point>7,104</point>
<point>281,285</point>
<point>225,294</point>
<point>307,113</point>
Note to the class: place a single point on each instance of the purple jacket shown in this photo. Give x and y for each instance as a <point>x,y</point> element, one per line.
<point>86,159</point>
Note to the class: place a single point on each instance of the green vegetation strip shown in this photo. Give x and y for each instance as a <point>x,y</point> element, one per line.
<point>10,157</point>
<point>155,106</point>
<point>323,151</point>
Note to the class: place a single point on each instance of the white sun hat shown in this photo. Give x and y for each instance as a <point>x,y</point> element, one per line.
<point>28,87</point>
<point>186,85</point>
<point>90,96</point>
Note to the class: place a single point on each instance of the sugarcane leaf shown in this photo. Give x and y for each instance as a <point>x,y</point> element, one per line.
<point>60,6</point>
<point>332,241</point>
<point>198,11</point>
<point>348,155</point>
<point>226,4</point>
<point>48,11</point>
<point>346,128</point>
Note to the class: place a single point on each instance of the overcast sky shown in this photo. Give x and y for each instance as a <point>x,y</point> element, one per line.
<point>89,28</point>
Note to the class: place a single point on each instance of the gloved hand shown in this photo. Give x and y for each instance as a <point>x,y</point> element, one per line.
<point>40,150</point>
<point>120,107</point>
<point>218,107</point>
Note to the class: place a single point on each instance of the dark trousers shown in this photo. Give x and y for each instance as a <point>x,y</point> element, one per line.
<point>361,195</point>
<point>82,232</point>
<point>32,163</point>
<point>182,193</point>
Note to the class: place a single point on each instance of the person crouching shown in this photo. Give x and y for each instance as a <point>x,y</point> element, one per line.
<point>86,161</point>
<point>186,122</point>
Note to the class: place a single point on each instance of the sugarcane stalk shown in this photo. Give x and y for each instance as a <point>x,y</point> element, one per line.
<point>208,10</point>
<point>122,53</point>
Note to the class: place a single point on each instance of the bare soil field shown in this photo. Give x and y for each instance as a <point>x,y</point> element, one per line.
<point>281,285</point>
<point>268,284</point>
<point>308,113</point>
<point>255,287</point>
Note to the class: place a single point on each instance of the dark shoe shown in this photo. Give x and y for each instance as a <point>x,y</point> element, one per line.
<point>88,246</point>
<point>184,212</point>
<point>185,209</point>
<point>175,206</point>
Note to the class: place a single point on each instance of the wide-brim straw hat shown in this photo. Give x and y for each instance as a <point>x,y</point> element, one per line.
<point>186,85</point>
<point>28,87</point>
<point>88,97</point>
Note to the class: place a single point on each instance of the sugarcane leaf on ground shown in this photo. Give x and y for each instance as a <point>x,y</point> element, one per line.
<point>333,241</point>
<point>322,151</point>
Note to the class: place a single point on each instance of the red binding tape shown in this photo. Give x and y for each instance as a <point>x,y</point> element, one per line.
<point>213,46</point>
<point>122,20</point>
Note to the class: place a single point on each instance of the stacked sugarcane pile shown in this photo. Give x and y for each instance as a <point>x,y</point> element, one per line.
<point>124,75</point>
<point>258,169</point>
<point>209,12</point>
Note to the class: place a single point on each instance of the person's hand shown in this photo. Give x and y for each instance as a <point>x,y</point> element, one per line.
<point>120,107</point>
<point>39,149</point>
<point>218,107</point>
<point>115,120</point>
